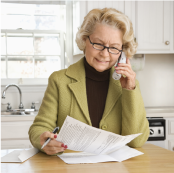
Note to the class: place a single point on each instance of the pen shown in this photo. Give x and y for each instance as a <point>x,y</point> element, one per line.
<point>49,139</point>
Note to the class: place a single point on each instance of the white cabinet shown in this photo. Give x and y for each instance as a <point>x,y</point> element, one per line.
<point>119,5</point>
<point>154,26</point>
<point>153,23</point>
<point>14,131</point>
<point>170,134</point>
<point>171,145</point>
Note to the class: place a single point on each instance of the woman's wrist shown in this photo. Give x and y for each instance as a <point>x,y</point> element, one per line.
<point>130,88</point>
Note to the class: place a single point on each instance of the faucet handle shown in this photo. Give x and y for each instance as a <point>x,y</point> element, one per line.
<point>33,104</point>
<point>8,107</point>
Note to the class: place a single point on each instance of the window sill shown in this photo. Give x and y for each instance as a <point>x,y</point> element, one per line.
<point>25,82</point>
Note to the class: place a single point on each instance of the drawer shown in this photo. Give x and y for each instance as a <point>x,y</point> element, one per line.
<point>171,145</point>
<point>171,127</point>
<point>15,130</point>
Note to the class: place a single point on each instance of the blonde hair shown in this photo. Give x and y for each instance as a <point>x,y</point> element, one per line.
<point>113,18</point>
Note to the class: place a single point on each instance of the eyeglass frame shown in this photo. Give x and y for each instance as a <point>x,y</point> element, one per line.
<point>104,47</point>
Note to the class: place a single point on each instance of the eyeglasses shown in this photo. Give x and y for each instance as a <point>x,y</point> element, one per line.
<point>98,46</point>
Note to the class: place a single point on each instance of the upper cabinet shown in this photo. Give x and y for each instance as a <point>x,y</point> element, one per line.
<point>119,5</point>
<point>154,26</point>
<point>153,22</point>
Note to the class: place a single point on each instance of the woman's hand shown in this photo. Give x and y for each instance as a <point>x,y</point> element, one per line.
<point>127,82</point>
<point>53,146</point>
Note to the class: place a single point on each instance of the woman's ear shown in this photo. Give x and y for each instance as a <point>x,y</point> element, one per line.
<point>85,38</point>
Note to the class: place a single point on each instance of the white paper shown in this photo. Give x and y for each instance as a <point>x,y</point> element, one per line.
<point>79,136</point>
<point>97,145</point>
<point>125,153</point>
<point>19,155</point>
<point>120,155</point>
<point>74,158</point>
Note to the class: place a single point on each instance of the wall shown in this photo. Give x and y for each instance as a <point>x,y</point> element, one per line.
<point>157,80</point>
<point>156,83</point>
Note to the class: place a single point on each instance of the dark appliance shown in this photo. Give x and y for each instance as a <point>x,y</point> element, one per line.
<point>157,128</point>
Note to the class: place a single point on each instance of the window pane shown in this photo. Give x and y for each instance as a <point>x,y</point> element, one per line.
<point>3,44</point>
<point>47,45</point>
<point>31,22</point>
<point>32,16</point>
<point>47,22</point>
<point>3,67</point>
<point>20,67</point>
<point>21,21</point>
<point>45,65</point>
<point>19,45</point>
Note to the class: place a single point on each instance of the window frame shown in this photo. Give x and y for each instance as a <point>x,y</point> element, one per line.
<point>33,81</point>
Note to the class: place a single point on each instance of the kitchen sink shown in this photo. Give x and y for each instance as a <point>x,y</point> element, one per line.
<point>6,113</point>
<point>19,112</point>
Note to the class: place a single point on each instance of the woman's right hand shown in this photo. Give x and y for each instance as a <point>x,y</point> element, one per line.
<point>53,147</point>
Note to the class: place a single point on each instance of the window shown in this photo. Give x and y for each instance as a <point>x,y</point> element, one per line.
<point>32,42</point>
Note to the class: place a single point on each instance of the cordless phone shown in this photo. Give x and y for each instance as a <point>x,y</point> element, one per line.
<point>122,59</point>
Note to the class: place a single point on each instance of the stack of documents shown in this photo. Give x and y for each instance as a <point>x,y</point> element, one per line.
<point>97,145</point>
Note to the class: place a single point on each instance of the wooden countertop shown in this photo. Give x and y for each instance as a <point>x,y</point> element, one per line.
<point>154,160</point>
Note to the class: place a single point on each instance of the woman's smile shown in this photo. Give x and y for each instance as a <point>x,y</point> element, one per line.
<point>101,61</point>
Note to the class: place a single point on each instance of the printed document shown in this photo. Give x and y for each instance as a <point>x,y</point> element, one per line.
<point>96,145</point>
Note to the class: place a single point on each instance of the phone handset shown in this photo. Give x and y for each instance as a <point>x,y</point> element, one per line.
<point>121,59</point>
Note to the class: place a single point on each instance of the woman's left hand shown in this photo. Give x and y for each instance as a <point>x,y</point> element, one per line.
<point>127,82</point>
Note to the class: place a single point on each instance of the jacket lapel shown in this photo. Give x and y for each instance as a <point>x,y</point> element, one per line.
<point>114,92</point>
<point>78,86</point>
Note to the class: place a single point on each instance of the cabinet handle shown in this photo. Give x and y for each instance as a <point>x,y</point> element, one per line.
<point>167,42</point>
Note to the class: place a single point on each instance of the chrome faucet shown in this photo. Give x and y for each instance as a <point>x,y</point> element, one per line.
<point>3,94</point>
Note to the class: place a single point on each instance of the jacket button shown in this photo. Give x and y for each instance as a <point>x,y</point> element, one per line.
<point>104,127</point>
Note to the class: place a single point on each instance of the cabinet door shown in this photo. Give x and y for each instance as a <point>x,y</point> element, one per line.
<point>15,134</point>
<point>153,25</point>
<point>118,5</point>
<point>171,134</point>
<point>171,145</point>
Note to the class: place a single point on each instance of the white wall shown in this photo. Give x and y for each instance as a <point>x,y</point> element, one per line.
<point>156,83</point>
<point>157,80</point>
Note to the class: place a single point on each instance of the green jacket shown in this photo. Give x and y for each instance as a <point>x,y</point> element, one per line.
<point>124,112</point>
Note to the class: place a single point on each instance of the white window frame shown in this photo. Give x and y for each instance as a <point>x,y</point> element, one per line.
<point>33,81</point>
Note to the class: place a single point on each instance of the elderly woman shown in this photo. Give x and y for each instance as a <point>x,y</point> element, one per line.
<point>86,90</point>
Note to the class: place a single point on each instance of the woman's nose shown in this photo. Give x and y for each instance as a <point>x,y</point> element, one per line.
<point>105,52</point>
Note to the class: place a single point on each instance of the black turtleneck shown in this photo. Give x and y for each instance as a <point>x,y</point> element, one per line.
<point>97,84</point>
